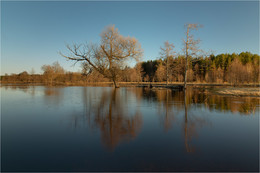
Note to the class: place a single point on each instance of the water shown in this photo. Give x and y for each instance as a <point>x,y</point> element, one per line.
<point>127,129</point>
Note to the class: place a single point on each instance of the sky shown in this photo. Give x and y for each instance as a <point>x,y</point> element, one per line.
<point>33,32</point>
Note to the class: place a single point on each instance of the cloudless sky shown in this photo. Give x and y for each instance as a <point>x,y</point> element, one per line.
<point>32,33</point>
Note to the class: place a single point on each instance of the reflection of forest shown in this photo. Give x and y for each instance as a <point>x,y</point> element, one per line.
<point>172,102</point>
<point>173,98</point>
<point>111,115</point>
<point>53,95</point>
<point>24,88</point>
<point>191,125</point>
<point>109,110</point>
<point>201,98</point>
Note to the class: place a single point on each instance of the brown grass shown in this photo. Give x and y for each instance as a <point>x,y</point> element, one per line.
<point>239,91</point>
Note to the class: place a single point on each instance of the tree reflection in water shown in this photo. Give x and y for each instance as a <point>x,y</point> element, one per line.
<point>201,98</point>
<point>53,95</point>
<point>108,110</point>
<point>111,115</point>
<point>172,102</point>
<point>192,124</point>
<point>24,88</point>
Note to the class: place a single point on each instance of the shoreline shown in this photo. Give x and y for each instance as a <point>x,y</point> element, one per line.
<point>243,90</point>
<point>126,84</point>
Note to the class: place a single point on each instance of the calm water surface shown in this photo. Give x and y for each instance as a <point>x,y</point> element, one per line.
<point>127,129</point>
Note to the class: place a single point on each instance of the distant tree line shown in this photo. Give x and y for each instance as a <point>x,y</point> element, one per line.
<point>230,68</point>
<point>233,68</point>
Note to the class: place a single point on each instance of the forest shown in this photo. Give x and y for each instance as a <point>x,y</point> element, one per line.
<point>232,69</point>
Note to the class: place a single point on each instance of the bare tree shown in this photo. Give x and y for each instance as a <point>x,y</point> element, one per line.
<point>32,72</point>
<point>166,53</point>
<point>52,71</point>
<point>110,56</point>
<point>190,47</point>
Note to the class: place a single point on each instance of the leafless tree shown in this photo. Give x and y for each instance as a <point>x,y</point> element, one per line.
<point>50,72</point>
<point>166,53</point>
<point>190,47</point>
<point>109,57</point>
<point>32,72</point>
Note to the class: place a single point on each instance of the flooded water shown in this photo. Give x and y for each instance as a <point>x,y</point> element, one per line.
<point>127,129</point>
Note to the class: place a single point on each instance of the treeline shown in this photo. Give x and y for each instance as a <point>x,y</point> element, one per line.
<point>233,68</point>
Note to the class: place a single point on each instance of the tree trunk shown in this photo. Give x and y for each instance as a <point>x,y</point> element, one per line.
<point>186,62</point>
<point>115,83</point>
<point>167,71</point>
<point>185,73</point>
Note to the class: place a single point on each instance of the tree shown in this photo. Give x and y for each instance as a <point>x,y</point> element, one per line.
<point>138,72</point>
<point>190,46</point>
<point>52,71</point>
<point>234,72</point>
<point>160,73</point>
<point>109,56</point>
<point>166,53</point>
<point>149,69</point>
<point>178,68</point>
<point>197,72</point>
<point>23,77</point>
<point>32,71</point>
<point>256,70</point>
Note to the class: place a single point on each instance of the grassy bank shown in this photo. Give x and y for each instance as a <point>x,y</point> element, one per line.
<point>238,91</point>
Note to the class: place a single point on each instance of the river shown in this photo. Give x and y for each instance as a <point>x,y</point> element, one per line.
<point>127,129</point>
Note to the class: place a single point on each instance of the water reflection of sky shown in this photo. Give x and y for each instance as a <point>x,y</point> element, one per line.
<point>97,128</point>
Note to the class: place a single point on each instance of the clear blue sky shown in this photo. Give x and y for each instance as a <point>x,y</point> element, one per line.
<point>32,33</point>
